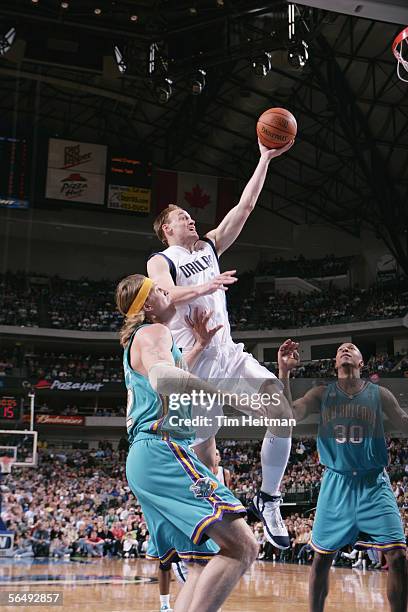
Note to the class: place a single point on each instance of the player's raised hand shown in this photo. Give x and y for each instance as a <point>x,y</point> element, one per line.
<point>198,323</point>
<point>288,355</point>
<point>220,282</point>
<point>269,154</point>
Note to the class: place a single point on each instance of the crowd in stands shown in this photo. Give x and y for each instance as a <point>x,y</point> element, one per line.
<point>380,365</point>
<point>243,460</point>
<point>35,366</point>
<point>7,363</point>
<point>85,305</point>
<point>85,409</point>
<point>62,366</point>
<point>19,300</point>
<point>78,503</point>
<point>327,307</point>
<point>89,305</point>
<point>305,268</point>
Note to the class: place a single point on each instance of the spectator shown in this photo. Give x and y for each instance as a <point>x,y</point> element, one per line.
<point>23,546</point>
<point>40,540</point>
<point>94,545</point>
<point>130,545</point>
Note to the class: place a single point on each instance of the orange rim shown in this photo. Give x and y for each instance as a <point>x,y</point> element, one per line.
<point>397,40</point>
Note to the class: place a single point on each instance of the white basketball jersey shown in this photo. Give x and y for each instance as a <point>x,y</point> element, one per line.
<point>191,269</point>
<point>220,474</point>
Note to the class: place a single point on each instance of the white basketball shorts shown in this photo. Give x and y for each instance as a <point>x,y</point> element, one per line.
<point>230,368</point>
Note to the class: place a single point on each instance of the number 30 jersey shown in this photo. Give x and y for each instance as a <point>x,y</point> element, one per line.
<point>351,432</point>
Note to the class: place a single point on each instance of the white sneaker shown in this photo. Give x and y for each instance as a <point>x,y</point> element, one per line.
<point>358,564</point>
<point>351,555</point>
<point>266,508</point>
<point>180,570</point>
<point>165,608</point>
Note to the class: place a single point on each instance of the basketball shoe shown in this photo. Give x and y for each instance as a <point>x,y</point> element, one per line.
<point>165,608</point>
<point>180,570</point>
<point>266,508</point>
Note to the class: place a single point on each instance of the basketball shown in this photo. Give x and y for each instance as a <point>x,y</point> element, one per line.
<point>276,127</point>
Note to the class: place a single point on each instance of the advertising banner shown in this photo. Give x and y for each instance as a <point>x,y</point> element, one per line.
<point>76,171</point>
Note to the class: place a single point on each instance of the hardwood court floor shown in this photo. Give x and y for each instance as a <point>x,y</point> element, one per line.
<point>102,585</point>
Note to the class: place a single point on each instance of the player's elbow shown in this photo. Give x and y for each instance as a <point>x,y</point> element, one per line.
<point>299,413</point>
<point>282,408</point>
<point>248,207</point>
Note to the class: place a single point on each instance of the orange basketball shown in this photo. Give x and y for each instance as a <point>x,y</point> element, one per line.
<point>276,127</point>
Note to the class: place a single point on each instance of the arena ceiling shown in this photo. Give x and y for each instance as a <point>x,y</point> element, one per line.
<point>348,167</point>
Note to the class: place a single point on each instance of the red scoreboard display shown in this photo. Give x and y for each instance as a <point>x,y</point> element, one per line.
<point>14,181</point>
<point>10,408</point>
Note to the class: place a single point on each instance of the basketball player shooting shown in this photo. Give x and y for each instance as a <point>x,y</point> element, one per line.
<point>189,269</point>
<point>356,504</point>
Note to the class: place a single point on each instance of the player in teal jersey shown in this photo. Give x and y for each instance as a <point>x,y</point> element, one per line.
<point>356,504</point>
<point>188,512</point>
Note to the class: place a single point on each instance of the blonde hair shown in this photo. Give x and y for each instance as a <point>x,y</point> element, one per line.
<point>161,219</point>
<point>126,292</point>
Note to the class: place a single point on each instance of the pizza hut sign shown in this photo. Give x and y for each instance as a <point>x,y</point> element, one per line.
<point>59,385</point>
<point>76,386</point>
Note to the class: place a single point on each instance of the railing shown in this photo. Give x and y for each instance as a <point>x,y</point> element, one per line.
<point>301,495</point>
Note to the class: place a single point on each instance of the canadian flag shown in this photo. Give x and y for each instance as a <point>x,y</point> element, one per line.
<point>206,198</point>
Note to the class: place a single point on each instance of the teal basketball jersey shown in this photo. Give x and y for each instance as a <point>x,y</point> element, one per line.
<point>351,431</point>
<point>149,412</point>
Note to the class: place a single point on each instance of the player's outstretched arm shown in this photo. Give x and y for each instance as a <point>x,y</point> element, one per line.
<point>397,416</point>
<point>158,270</point>
<point>231,226</point>
<point>308,404</point>
<point>288,358</point>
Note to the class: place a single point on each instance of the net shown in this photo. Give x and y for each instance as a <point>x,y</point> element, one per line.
<point>400,50</point>
<point>23,445</point>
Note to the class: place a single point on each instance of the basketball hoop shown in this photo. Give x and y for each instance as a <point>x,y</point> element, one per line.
<point>6,463</point>
<point>399,48</point>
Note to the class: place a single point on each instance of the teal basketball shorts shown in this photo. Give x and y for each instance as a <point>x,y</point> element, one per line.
<point>180,498</point>
<point>356,508</point>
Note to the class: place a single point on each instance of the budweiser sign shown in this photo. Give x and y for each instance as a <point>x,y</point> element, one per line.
<point>51,419</point>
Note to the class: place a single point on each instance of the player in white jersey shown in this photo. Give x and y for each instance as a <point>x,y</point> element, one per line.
<point>221,473</point>
<point>188,268</point>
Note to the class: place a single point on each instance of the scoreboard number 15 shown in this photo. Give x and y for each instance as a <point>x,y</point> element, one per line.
<point>9,408</point>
